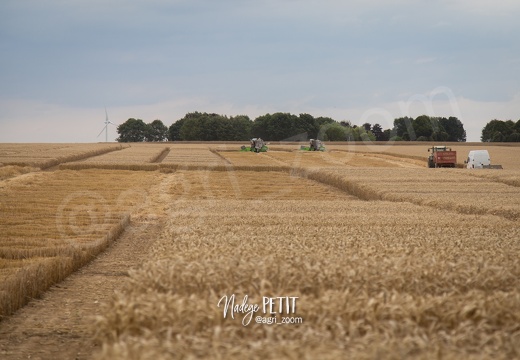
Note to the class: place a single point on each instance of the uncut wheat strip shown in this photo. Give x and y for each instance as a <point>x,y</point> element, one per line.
<point>154,277</point>
<point>205,221</point>
<point>508,177</point>
<point>32,280</point>
<point>363,185</point>
<point>181,307</point>
<point>67,182</point>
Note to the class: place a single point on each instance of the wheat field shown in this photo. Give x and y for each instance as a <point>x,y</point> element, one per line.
<point>48,155</point>
<point>384,257</point>
<point>52,223</point>
<point>373,278</point>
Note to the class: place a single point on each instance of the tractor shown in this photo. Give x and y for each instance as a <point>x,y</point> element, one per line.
<point>441,156</point>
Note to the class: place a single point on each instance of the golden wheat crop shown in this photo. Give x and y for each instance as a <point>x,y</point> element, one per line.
<point>388,259</point>
<point>337,158</point>
<point>53,223</point>
<point>441,188</point>
<point>506,155</point>
<point>200,155</point>
<point>135,153</point>
<point>239,158</point>
<point>10,171</point>
<point>219,185</point>
<point>47,155</point>
<point>373,278</point>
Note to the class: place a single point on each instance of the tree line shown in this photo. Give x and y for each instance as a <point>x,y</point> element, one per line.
<point>280,126</point>
<point>501,131</point>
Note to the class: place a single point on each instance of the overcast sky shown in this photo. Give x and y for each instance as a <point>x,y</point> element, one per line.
<point>63,61</point>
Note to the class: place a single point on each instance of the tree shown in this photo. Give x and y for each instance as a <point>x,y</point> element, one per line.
<point>306,127</point>
<point>157,131</point>
<point>283,126</point>
<point>514,137</point>
<point>517,126</point>
<point>132,130</point>
<point>422,126</point>
<point>174,131</point>
<point>361,134</point>
<point>191,129</point>
<point>403,128</point>
<point>210,127</point>
<point>332,132</point>
<point>454,128</point>
<point>497,130</point>
<point>241,128</point>
<point>387,134</point>
<point>377,130</point>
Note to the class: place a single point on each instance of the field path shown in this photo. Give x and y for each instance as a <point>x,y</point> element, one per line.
<point>59,325</point>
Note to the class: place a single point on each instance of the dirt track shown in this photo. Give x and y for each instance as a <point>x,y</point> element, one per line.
<point>59,325</point>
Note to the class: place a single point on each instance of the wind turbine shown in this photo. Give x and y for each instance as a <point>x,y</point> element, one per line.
<point>105,129</point>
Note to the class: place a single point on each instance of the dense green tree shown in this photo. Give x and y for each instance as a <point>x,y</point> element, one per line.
<point>281,126</point>
<point>403,128</point>
<point>285,126</point>
<point>422,126</point>
<point>332,132</point>
<point>517,126</point>
<point>361,134</point>
<point>377,130</point>
<point>425,128</point>
<point>387,134</point>
<point>497,130</point>
<point>156,131</point>
<point>132,130</point>
<point>191,129</point>
<point>514,137</point>
<point>306,127</point>
<point>210,127</point>
<point>174,131</point>
<point>453,128</point>
<point>323,120</point>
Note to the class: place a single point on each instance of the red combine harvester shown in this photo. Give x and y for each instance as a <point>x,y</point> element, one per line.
<point>441,156</point>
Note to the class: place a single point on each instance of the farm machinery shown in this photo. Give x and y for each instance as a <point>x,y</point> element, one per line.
<point>441,156</point>
<point>480,159</point>
<point>257,145</point>
<point>314,145</point>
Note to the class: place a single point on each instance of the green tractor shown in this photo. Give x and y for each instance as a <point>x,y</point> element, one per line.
<point>257,145</point>
<point>314,145</point>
